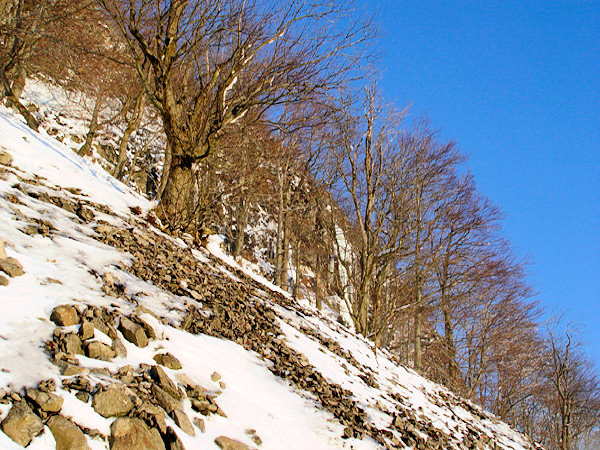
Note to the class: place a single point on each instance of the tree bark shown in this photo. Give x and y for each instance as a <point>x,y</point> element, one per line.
<point>16,103</point>
<point>132,125</point>
<point>178,201</point>
<point>91,134</point>
<point>242,221</point>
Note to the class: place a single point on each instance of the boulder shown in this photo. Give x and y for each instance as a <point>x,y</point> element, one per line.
<point>5,158</point>
<point>64,316</point>
<point>11,267</point>
<point>45,400</point>
<point>230,444</point>
<point>167,360</point>
<point>86,330</point>
<point>133,332</point>
<point>72,344</point>
<point>132,434</point>
<point>113,402</point>
<point>98,350</point>
<point>21,424</point>
<point>166,402</point>
<point>162,379</point>
<point>67,435</point>
<point>182,421</point>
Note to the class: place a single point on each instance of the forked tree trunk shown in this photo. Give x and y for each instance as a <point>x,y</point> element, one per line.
<point>91,134</point>
<point>16,103</point>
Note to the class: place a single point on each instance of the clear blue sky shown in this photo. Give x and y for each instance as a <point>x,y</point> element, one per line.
<point>517,85</point>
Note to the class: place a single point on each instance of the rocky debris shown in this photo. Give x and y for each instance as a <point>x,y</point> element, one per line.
<point>167,360</point>
<point>11,267</point>
<point>172,441</point>
<point>21,424</point>
<point>153,415</point>
<point>71,344</point>
<point>164,400</point>
<point>98,350</point>
<point>2,250</point>
<point>252,434</point>
<point>113,402</point>
<point>64,316</point>
<point>183,422</point>
<point>86,330</point>
<point>215,377</point>
<point>128,433</point>
<point>133,332</point>
<point>67,435</point>
<point>46,401</point>
<point>164,382</point>
<point>226,443</point>
<point>200,424</point>
<point>5,158</point>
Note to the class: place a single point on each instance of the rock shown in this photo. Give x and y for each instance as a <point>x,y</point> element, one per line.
<point>167,360</point>
<point>182,421</point>
<point>2,251</point>
<point>152,415</point>
<point>215,377</point>
<point>82,396</point>
<point>133,332</point>
<point>113,402</point>
<point>84,213</point>
<point>86,330</point>
<point>67,369</point>
<point>67,435</point>
<point>3,280</point>
<point>46,401</point>
<point>21,424</point>
<point>72,344</point>
<point>132,434</point>
<point>172,441</point>
<point>200,423</point>
<point>11,267</point>
<point>64,316</point>
<point>5,158</point>
<point>98,350</point>
<point>230,444</point>
<point>168,403</point>
<point>118,347</point>
<point>161,378</point>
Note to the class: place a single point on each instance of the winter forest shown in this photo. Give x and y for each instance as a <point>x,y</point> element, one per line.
<point>262,123</point>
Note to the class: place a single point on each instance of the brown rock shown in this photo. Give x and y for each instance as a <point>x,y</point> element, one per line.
<point>67,435</point>
<point>152,415</point>
<point>98,350</point>
<point>182,421</point>
<point>230,444</point>
<point>200,423</point>
<point>64,316</point>
<point>167,360</point>
<point>118,347</point>
<point>46,401</point>
<point>5,158</point>
<point>132,434</point>
<point>113,402</point>
<point>162,379</point>
<point>3,280</point>
<point>2,251</point>
<point>133,332</point>
<point>21,424</point>
<point>86,330</point>
<point>168,403</point>
<point>72,344</point>
<point>11,267</point>
<point>172,441</point>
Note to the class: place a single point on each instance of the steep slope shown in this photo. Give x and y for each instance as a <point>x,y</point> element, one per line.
<point>113,318</point>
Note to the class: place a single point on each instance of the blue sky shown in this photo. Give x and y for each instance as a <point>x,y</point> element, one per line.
<point>517,85</point>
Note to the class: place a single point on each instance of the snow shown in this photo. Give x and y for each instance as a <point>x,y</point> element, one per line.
<point>66,266</point>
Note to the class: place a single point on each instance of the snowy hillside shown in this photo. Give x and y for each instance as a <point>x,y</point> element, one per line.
<point>116,335</point>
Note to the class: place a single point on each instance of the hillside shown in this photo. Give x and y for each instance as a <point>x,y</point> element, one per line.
<point>118,335</point>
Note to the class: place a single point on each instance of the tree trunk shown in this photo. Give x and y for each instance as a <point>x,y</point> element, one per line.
<point>16,103</point>
<point>178,200</point>
<point>297,280</point>
<point>91,134</point>
<point>417,329</point>
<point>449,337</point>
<point>242,221</point>
<point>286,253</point>
<point>132,125</point>
<point>318,298</point>
<point>17,87</point>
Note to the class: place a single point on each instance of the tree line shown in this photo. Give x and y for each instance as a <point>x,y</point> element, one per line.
<point>268,117</point>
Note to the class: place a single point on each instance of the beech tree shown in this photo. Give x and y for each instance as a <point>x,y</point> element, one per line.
<point>206,64</point>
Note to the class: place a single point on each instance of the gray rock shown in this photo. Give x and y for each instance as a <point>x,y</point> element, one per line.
<point>113,402</point>
<point>133,332</point>
<point>167,360</point>
<point>64,316</point>
<point>11,267</point>
<point>230,444</point>
<point>98,350</point>
<point>162,379</point>
<point>5,158</point>
<point>45,400</point>
<point>72,344</point>
<point>132,434</point>
<point>183,422</point>
<point>21,424</point>
<point>86,330</point>
<point>67,435</point>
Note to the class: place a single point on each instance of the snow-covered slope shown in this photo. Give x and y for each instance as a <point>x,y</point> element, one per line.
<point>273,375</point>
